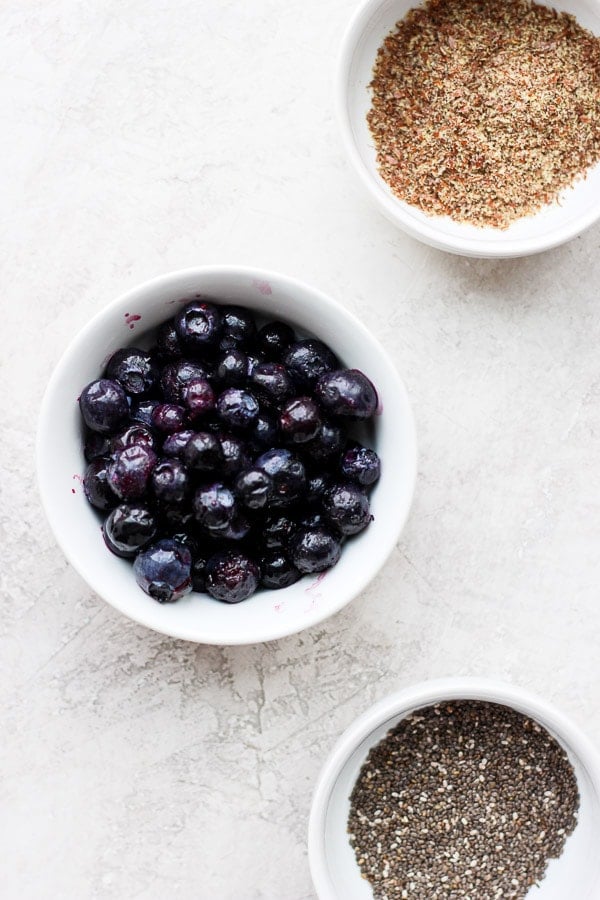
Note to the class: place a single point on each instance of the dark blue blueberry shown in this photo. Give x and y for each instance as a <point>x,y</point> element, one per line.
<point>264,432</point>
<point>170,482</point>
<point>346,507</point>
<point>104,405</point>
<point>347,392</point>
<point>314,550</point>
<point>237,408</point>
<point>235,454</point>
<point>176,375</point>
<point>307,360</point>
<point>95,445</point>
<point>132,434</point>
<point>361,464</point>
<point>277,532</point>
<point>287,472</point>
<point>96,487</point>
<point>300,420</point>
<point>253,488</point>
<point>129,471</point>
<point>327,445</point>
<point>231,576</point>
<point>274,339</point>
<point>214,506</point>
<point>272,382</point>
<point>316,487</point>
<point>239,328</point>
<point>164,570</point>
<point>198,398</point>
<point>174,444</point>
<point>168,417</point>
<point>203,453</point>
<point>313,519</point>
<point>237,530</point>
<point>168,345</point>
<point>141,411</point>
<point>276,571</point>
<point>254,359</point>
<point>199,326</point>
<point>134,369</point>
<point>231,368</point>
<point>127,529</point>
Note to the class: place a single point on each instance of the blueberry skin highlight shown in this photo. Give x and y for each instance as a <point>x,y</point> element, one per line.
<point>164,570</point>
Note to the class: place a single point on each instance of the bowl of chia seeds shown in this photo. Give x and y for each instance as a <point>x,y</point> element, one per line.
<point>474,125</point>
<point>458,788</point>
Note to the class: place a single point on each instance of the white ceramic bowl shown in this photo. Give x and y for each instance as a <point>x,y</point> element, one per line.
<point>555,224</point>
<point>336,876</point>
<point>130,320</point>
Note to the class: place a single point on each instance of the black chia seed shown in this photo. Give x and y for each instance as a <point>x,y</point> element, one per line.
<point>463,799</point>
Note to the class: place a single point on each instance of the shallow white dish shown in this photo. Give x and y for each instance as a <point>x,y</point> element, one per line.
<point>267,614</point>
<point>555,224</point>
<point>335,873</point>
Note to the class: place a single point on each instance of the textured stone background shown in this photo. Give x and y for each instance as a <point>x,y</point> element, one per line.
<point>139,137</point>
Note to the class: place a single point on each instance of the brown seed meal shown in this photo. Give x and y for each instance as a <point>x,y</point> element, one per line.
<point>485,110</point>
<point>462,800</point>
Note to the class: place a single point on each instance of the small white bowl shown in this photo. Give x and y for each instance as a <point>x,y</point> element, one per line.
<point>335,873</point>
<point>267,615</point>
<point>579,207</point>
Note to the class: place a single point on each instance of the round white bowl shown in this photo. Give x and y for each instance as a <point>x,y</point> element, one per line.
<point>335,873</point>
<point>579,207</point>
<point>130,320</point>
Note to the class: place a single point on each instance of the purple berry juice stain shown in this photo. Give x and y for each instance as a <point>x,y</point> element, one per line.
<point>263,287</point>
<point>131,319</point>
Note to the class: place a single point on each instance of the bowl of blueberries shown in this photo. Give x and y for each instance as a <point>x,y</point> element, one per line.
<point>226,455</point>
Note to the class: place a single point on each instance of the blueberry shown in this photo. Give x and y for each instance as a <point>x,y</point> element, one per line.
<point>314,550</point>
<point>199,326</point>
<point>175,519</point>
<point>316,487</point>
<point>237,530</point>
<point>347,392</point>
<point>203,452</point>
<point>199,572</point>
<point>214,506</point>
<point>231,368</point>
<point>129,471</point>
<point>168,417</point>
<point>96,487</point>
<point>234,452</point>
<point>272,382</point>
<point>176,375</point>
<point>163,570</point>
<point>274,338</point>
<point>300,420</point>
<point>95,445</point>
<point>277,532</point>
<point>134,369</point>
<point>361,464</point>
<point>263,433</point>
<point>276,571</point>
<point>103,405</point>
<point>132,434</point>
<point>198,398</point>
<point>346,507</point>
<point>168,345</point>
<point>254,488</point>
<point>170,482</point>
<point>287,472</point>
<point>327,445</point>
<point>237,408</point>
<point>239,328</point>
<point>128,529</point>
<point>231,576</point>
<point>307,360</point>
<point>174,444</point>
<point>254,359</point>
<point>141,411</point>
<point>314,519</point>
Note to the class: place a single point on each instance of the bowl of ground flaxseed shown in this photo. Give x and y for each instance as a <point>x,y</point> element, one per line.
<point>458,788</point>
<point>475,124</point>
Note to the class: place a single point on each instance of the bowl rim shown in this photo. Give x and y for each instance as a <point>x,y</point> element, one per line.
<point>44,427</point>
<point>393,209</point>
<point>414,696</point>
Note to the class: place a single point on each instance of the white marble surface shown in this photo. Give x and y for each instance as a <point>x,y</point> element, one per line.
<point>139,137</point>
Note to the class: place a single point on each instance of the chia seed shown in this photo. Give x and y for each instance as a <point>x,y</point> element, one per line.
<point>462,799</point>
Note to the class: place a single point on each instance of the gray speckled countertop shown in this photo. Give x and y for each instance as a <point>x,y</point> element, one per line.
<point>140,137</point>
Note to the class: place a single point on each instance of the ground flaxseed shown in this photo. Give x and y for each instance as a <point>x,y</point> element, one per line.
<point>485,110</point>
<point>463,799</point>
